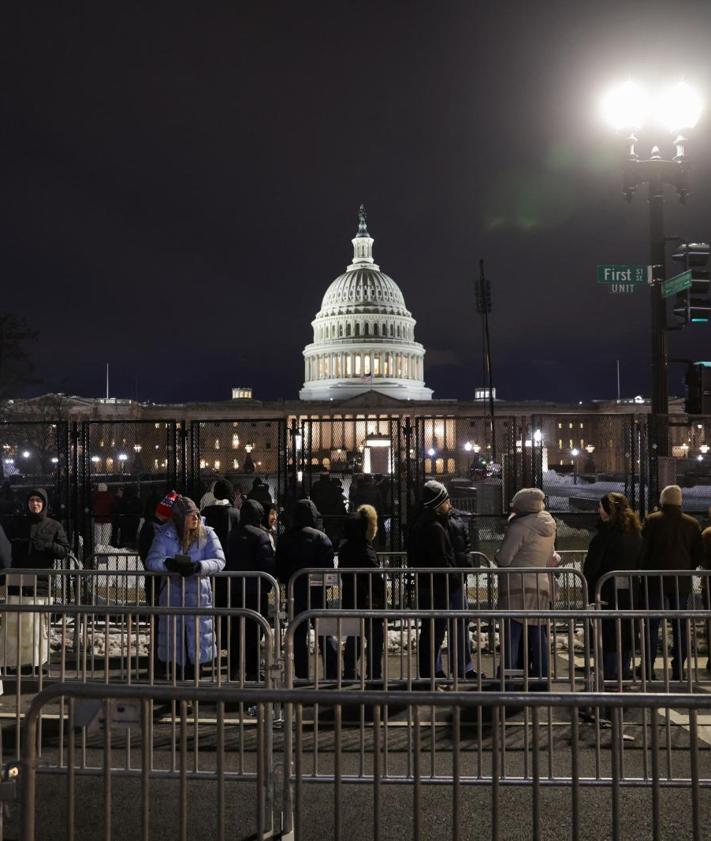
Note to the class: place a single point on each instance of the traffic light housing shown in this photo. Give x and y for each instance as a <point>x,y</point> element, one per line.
<point>698,389</point>
<point>693,305</point>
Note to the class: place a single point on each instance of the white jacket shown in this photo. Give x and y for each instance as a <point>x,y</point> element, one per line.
<point>529,542</point>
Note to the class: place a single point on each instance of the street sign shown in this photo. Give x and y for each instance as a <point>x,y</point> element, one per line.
<point>621,274</point>
<point>676,284</point>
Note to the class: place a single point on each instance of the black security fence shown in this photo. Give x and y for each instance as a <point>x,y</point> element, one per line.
<point>102,477</point>
<point>251,453</point>
<point>342,463</point>
<point>35,454</point>
<point>122,470</point>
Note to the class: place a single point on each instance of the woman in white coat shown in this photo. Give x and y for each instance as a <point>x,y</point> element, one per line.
<point>529,542</point>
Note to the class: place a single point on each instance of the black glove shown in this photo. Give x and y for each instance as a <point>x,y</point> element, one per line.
<point>172,565</point>
<point>186,565</point>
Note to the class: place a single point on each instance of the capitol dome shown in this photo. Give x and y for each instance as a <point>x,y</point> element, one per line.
<point>364,335</point>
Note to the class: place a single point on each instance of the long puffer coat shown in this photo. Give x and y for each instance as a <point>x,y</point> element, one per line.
<point>529,542</point>
<point>174,634</point>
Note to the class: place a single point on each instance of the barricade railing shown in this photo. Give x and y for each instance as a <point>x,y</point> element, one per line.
<point>399,559</point>
<point>680,652</point>
<point>402,648</point>
<point>455,588</point>
<point>111,733</point>
<point>506,750</point>
<point>137,645</point>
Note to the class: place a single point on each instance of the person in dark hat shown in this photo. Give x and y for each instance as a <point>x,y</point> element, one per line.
<point>429,545</point>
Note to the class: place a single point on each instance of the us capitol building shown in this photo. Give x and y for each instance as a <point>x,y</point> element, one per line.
<point>363,381</point>
<point>364,335</point>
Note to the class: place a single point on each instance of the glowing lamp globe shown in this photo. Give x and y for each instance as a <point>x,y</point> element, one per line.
<point>679,107</point>
<point>626,106</point>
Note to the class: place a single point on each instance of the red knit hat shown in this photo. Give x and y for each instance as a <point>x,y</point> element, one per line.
<point>165,506</point>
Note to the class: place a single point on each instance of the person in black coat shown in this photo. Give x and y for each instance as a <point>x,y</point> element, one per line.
<point>249,549</point>
<point>222,516</point>
<point>430,545</point>
<point>305,546</point>
<point>364,591</point>
<point>616,546</point>
<point>37,540</point>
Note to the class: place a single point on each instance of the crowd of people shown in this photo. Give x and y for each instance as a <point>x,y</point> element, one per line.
<point>232,532</point>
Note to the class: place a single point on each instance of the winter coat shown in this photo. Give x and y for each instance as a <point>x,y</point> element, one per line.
<point>103,506</point>
<point>459,536</point>
<point>198,593</point>
<point>250,548</point>
<point>672,540</point>
<point>302,547</point>
<point>706,538</point>
<point>366,590</point>
<point>611,549</point>
<point>5,550</point>
<point>222,517</point>
<point>38,540</point>
<point>429,545</point>
<point>529,542</point>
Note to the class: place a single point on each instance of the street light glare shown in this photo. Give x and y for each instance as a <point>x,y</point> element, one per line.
<point>679,106</point>
<point>626,106</point>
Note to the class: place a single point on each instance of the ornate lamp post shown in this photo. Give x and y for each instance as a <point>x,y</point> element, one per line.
<point>676,108</point>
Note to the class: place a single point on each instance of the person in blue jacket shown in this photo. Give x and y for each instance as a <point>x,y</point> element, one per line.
<point>188,551</point>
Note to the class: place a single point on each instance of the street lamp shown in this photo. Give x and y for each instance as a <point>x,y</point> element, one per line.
<point>675,108</point>
<point>575,452</point>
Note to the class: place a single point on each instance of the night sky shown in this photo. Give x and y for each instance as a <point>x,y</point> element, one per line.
<point>180,186</point>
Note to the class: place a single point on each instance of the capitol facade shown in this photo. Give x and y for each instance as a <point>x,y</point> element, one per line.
<point>364,335</point>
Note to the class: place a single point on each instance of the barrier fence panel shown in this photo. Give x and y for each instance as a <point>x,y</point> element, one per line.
<point>351,461</point>
<point>377,764</point>
<point>35,454</point>
<point>688,461</point>
<point>138,462</point>
<point>670,646</point>
<point>482,471</point>
<point>401,646</point>
<point>42,642</point>
<point>142,775</point>
<point>252,453</point>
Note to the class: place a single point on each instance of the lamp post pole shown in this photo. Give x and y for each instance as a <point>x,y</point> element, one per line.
<point>657,172</point>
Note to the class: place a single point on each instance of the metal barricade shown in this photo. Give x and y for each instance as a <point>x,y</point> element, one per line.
<point>137,645</point>
<point>563,587</point>
<point>110,734</point>
<point>627,651</point>
<point>380,764</point>
<point>400,648</point>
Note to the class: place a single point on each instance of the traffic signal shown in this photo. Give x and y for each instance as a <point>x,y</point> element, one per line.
<point>698,389</point>
<point>693,305</point>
